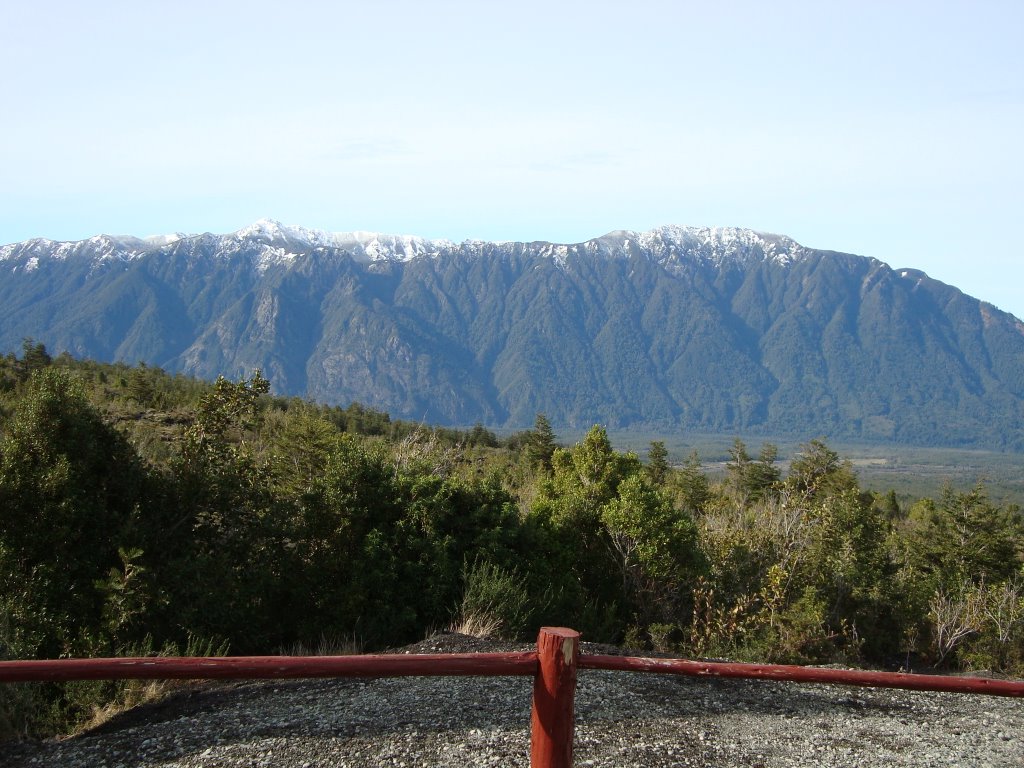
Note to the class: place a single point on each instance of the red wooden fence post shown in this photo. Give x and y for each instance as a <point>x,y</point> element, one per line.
<point>554,690</point>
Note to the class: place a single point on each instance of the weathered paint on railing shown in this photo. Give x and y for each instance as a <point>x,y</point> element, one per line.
<point>795,674</point>
<point>553,666</point>
<point>554,692</point>
<point>260,667</point>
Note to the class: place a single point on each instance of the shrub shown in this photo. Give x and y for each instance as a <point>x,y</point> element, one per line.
<point>494,602</point>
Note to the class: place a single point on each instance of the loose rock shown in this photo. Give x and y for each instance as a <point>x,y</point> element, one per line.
<point>622,719</point>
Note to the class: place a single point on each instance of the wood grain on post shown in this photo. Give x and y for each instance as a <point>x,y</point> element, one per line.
<point>554,692</point>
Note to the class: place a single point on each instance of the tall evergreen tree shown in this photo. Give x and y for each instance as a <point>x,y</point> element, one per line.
<point>540,445</point>
<point>690,484</point>
<point>752,480</point>
<point>657,462</point>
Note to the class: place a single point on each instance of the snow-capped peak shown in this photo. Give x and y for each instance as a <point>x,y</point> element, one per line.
<point>670,245</point>
<point>269,229</point>
<point>159,241</point>
<point>372,246</point>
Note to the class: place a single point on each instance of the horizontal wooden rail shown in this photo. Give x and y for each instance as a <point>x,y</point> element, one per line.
<point>553,666</point>
<point>797,674</point>
<point>262,667</point>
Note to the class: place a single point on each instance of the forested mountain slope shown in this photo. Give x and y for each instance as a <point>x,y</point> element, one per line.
<point>703,329</point>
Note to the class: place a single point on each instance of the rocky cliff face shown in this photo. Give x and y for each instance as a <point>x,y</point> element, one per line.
<point>710,329</point>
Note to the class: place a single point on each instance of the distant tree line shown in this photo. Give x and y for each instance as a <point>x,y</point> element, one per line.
<point>147,513</point>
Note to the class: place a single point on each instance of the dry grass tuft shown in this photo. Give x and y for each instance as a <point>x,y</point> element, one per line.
<point>327,645</point>
<point>482,627</point>
<point>133,694</point>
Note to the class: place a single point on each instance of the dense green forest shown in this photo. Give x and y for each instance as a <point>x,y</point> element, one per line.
<point>147,513</point>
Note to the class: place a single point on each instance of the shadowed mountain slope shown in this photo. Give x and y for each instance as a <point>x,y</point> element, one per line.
<point>703,329</point>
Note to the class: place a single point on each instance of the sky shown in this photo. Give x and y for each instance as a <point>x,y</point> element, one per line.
<point>887,129</point>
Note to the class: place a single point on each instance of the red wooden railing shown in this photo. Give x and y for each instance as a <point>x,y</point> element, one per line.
<point>553,667</point>
<point>256,667</point>
<point>794,674</point>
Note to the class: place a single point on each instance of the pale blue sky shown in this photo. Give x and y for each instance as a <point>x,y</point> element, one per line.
<point>889,129</point>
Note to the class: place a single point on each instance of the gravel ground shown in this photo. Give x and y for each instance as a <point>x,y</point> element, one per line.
<point>622,719</point>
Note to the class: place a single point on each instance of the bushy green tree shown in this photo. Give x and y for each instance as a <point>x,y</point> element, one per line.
<point>71,494</point>
<point>750,480</point>
<point>656,551</point>
<point>952,553</point>
<point>382,537</point>
<point>34,357</point>
<point>689,485</point>
<point>570,537</point>
<point>850,568</point>
<point>617,541</point>
<point>804,572</point>
<point>817,471</point>
<point>224,526</point>
<point>301,450</point>
<point>963,535</point>
<point>657,462</point>
<point>540,443</point>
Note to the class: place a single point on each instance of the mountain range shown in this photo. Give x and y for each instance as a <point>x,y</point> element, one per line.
<point>723,330</point>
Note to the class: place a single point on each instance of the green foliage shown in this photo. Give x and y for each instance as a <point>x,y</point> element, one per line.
<point>568,509</point>
<point>655,546</point>
<point>851,570</point>
<point>227,405</point>
<point>64,509</point>
<point>34,358</point>
<point>997,640</point>
<point>961,539</point>
<point>818,471</point>
<point>689,485</point>
<point>749,480</point>
<point>357,419</point>
<point>266,522</point>
<point>301,450</point>
<point>657,462</point>
<point>540,443</point>
<point>617,540</point>
<point>479,436</point>
<point>126,592</point>
<point>956,556</point>
<point>21,705</point>
<point>805,572</point>
<point>495,602</point>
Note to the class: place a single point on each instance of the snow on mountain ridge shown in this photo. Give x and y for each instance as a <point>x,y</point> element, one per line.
<point>99,248</point>
<point>714,244</point>
<point>369,246</point>
<point>721,244</point>
<point>162,240</point>
<point>670,246</point>
<point>673,246</point>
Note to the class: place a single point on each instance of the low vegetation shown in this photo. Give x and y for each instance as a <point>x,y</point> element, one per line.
<point>146,513</point>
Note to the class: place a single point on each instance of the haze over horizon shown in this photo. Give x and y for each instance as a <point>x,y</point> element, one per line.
<point>889,131</point>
